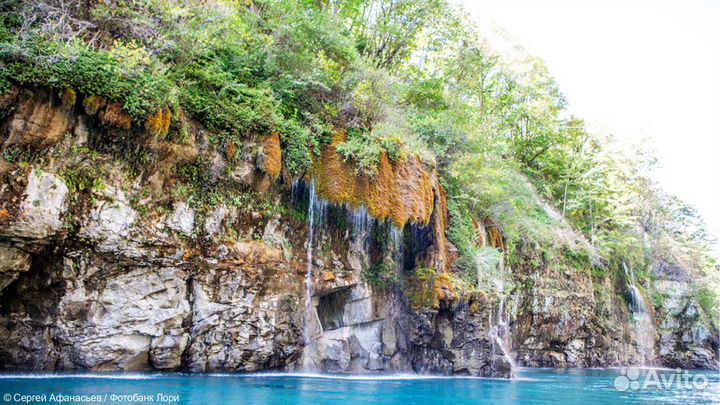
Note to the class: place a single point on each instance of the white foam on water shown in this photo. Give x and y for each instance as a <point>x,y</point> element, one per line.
<point>349,377</point>
<point>357,377</point>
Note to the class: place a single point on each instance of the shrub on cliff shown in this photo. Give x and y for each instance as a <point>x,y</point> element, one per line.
<point>143,90</point>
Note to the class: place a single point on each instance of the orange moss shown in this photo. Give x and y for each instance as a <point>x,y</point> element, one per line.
<point>272,162</point>
<point>401,192</point>
<point>93,104</point>
<point>478,300</point>
<point>336,180</point>
<point>230,151</point>
<point>480,233</point>
<point>427,289</point>
<point>69,97</point>
<point>158,124</point>
<point>114,115</point>
<point>495,236</point>
<point>443,292</point>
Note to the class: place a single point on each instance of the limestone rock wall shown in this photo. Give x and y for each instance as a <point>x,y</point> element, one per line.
<point>106,264</point>
<point>107,267</point>
<point>568,320</point>
<point>359,329</point>
<point>686,338</point>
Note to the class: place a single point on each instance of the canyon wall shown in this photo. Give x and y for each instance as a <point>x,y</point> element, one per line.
<point>107,262</point>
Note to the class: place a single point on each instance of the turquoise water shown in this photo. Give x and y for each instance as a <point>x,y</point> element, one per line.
<point>532,386</point>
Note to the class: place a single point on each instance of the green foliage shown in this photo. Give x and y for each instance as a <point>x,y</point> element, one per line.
<point>487,263</point>
<point>576,258</point>
<point>658,299</point>
<point>439,130</point>
<point>363,149</point>
<point>83,179</point>
<point>299,147</point>
<point>75,65</point>
<point>380,275</point>
<point>419,288</point>
<point>388,32</point>
<point>20,154</point>
<point>461,233</point>
<point>527,284</point>
<point>427,94</point>
<point>709,301</point>
<point>231,108</point>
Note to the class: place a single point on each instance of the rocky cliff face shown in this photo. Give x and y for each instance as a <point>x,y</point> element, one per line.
<point>107,263</point>
<point>684,340</point>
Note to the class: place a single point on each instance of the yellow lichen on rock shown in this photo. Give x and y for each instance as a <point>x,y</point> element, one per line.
<point>158,124</point>
<point>230,151</point>
<point>272,156</point>
<point>428,289</point>
<point>251,253</point>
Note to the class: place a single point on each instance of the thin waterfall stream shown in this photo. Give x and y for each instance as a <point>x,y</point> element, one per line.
<point>315,217</point>
<point>644,328</point>
<point>499,328</point>
<point>396,239</point>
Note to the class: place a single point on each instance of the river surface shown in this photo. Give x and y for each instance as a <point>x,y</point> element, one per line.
<point>532,386</point>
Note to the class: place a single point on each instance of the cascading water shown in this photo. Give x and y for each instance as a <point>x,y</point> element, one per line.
<point>644,329</point>
<point>360,221</point>
<point>396,239</point>
<point>317,209</point>
<point>499,328</point>
<point>361,226</point>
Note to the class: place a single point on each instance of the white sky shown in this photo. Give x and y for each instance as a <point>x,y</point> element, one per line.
<point>638,68</point>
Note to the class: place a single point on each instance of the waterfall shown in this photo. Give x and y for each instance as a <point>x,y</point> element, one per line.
<point>644,328</point>
<point>361,221</point>
<point>361,225</point>
<point>396,239</point>
<point>316,213</point>
<point>499,328</point>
